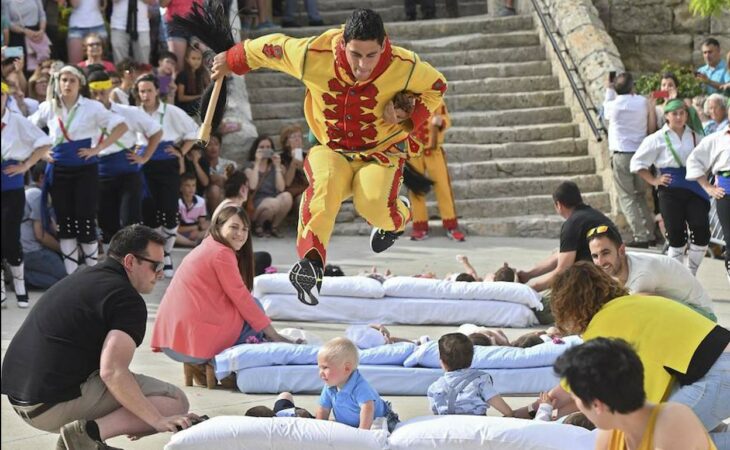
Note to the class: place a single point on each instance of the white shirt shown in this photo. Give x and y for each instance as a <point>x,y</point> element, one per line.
<point>176,124</point>
<point>86,15</point>
<point>20,137</point>
<point>627,116</point>
<point>119,15</point>
<point>137,123</point>
<point>665,277</point>
<point>712,155</point>
<point>653,150</point>
<point>91,116</point>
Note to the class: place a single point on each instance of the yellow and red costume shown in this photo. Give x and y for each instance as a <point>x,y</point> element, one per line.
<point>359,154</point>
<point>433,162</point>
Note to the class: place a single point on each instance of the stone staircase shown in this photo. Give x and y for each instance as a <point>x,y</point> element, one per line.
<point>512,139</point>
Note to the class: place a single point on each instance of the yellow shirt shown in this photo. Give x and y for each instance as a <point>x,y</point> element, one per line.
<point>618,439</point>
<point>342,113</point>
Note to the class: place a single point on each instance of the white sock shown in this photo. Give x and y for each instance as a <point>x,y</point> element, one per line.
<point>2,275</point>
<point>170,234</point>
<point>695,255</point>
<point>70,253</point>
<point>676,253</point>
<point>91,253</point>
<point>18,280</point>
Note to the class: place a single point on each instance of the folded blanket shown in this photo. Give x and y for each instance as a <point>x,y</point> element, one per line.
<point>360,287</point>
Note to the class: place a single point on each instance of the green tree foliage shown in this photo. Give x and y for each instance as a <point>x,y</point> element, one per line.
<point>688,87</point>
<point>708,8</point>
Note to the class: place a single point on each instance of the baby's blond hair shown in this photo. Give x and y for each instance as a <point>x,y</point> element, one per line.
<point>339,350</point>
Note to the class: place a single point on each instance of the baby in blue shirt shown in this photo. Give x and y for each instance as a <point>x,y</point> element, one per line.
<point>346,392</point>
<point>463,390</point>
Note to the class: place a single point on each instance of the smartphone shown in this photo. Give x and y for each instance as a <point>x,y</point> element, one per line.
<point>299,154</point>
<point>660,94</point>
<point>14,52</point>
<point>267,153</point>
<point>611,76</point>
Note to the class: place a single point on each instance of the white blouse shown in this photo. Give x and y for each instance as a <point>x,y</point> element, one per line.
<point>137,123</point>
<point>86,122</point>
<point>20,137</point>
<point>176,124</point>
<point>654,151</point>
<point>712,155</point>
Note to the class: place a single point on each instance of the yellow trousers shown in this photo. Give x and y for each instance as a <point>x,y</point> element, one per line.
<point>333,178</point>
<point>433,163</point>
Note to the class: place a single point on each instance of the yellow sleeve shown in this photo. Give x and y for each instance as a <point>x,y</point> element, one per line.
<point>273,51</point>
<point>430,85</point>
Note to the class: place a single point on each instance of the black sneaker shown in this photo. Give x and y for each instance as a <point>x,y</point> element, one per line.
<point>381,240</point>
<point>306,277</point>
<point>289,24</point>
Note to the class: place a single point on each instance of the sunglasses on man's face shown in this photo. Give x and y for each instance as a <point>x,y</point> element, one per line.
<point>157,266</point>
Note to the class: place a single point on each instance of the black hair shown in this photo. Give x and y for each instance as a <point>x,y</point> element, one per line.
<point>255,146</point>
<point>604,369</point>
<point>96,72</point>
<point>126,65</point>
<point>166,54</point>
<point>527,340</point>
<point>141,79</point>
<point>480,339</point>
<point>711,41</point>
<point>579,419</point>
<point>610,233</point>
<point>568,194</point>
<point>261,261</point>
<point>133,239</point>
<point>456,351</point>
<point>235,180</point>
<point>364,25</point>
<point>333,271</point>
<point>260,411</point>
<point>464,277</point>
<point>188,176</point>
<point>624,83</point>
<point>38,170</point>
<point>671,76</point>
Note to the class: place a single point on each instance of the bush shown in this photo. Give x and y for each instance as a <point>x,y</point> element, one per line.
<point>688,87</point>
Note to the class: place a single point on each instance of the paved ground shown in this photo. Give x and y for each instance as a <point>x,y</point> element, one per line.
<point>352,254</point>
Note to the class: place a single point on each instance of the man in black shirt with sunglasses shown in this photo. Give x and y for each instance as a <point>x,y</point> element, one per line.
<point>67,368</point>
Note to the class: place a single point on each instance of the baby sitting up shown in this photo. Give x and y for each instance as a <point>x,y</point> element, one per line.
<point>462,390</point>
<point>283,407</point>
<point>346,393</point>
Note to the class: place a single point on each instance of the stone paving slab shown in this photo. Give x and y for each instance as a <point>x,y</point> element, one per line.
<point>352,254</point>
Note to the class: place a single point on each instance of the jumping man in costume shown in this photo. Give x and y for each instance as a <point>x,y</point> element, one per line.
<point>430,137</point>
<point>351,76</point>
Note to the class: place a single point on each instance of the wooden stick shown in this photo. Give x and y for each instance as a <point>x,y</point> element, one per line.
<point>205,128</point>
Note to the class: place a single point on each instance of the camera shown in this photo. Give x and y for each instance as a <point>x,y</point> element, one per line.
<point>267,153</point>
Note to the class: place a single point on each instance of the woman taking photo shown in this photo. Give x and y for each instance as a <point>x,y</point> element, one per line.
<point>74,123</point>
<point>682,203</point>
<point>265,173</point>
<point>292,158</point>
<point>208,306</point>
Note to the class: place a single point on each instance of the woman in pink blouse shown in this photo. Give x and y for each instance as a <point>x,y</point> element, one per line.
<point>208,307</point>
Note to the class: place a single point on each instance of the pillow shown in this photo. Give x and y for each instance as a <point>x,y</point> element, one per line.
<point>497,357</point>
<point>410,287</point>
<point>262,433</point>
<point>360,287</point>
<point>485,433</point>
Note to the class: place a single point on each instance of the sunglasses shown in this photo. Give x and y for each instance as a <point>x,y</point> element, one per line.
<point>596,231</point>
<point>157,266</point>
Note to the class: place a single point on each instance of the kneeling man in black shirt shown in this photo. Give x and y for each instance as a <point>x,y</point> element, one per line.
<point>67,368</point>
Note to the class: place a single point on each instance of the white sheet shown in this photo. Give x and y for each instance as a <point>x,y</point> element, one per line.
<point>360,287</point>
<point>392,310</point>
<point>410,287</point>
<point>386,380</point>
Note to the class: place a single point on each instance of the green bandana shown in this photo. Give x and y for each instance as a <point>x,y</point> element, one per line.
<point>673,105</point>
<point>693,120</point>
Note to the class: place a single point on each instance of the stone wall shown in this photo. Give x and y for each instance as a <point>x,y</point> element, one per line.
<point>648,32</point>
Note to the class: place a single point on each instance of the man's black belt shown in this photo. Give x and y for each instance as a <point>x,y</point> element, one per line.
<point>624,153</point>
<point>33,413</point>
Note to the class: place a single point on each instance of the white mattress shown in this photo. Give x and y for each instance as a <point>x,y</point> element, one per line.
<point>387,380</point>
<point>393,310</point>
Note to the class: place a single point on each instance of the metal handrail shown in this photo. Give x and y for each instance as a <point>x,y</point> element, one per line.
<point>576,90</point>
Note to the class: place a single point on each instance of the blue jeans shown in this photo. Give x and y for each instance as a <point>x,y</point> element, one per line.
<point>709,398</point>
<point>310,5</point>
<point>43,268</point>
<point>247,331</point>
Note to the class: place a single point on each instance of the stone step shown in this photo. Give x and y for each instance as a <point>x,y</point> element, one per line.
<point>492,70</point>
<point>395,12</point>
<point>464,153</point>
<point>262,111</point>
<point>521,167</point>
<point>511,117</point>
<point>504,85</point>
<point>511,187</point>
<point>269,79</point>
<point>272,127</point>
<point>277,94</point>
<point>427,29</point>
<point>495,135</point>
<point>481,56</point>
<point>492,102</point>
<point>472,41</point>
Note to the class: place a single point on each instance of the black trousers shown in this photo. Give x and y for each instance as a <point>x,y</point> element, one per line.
<point>159,207</point>
<point>723,213</point>
<point>120,203</point>
<point>428,8</point>
<point>75,198</point>
<point>681,208</point>
<point>13,206</point>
